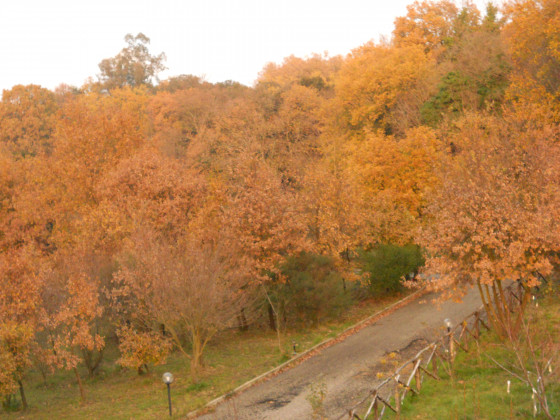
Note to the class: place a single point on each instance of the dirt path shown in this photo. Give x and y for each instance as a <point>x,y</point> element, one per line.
<point>347,370</point>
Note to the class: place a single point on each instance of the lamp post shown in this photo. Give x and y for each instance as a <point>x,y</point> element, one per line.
<point>168,380</point>
<point>447,323</point>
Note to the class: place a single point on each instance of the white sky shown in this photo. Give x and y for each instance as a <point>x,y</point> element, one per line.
<point>48,42</point>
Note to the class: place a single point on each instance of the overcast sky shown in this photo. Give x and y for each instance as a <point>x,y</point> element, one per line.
<point>48,42</point>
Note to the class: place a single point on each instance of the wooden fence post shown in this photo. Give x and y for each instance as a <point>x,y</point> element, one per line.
<point>397,397</point>
<point>434,365</point>
<point>418,380</point>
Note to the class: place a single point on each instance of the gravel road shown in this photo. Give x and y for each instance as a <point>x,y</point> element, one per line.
<point>348,369</point>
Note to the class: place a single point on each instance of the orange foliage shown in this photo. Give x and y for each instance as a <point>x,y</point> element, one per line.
<point>27,120</point>
<point>533,36</point>
<point>19,315</point>
<point>394,177</point>
<point>125,209</point>
<point>373,79</point>
<point>493,219</point>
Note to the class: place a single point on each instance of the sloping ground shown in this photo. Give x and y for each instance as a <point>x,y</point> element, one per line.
<point>348,369</point>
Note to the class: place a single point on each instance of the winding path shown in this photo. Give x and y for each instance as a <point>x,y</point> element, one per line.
<point>348,369</point>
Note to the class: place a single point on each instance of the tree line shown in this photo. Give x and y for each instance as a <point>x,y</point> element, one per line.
<point>159,212</point>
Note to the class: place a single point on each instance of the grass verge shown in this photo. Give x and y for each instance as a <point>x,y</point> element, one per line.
<point>231,359</point>
<point>478,387</point>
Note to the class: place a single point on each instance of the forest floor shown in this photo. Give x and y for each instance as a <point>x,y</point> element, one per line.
<point>344,373</point>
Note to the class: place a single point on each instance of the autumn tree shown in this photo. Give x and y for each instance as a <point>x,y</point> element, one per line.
<point>533,37</point>
<point>148,207</point>
<point>56,209</point>
<point>11,177</point>
<point>493,218</point>
<point>333,208</point>
<point>73,312</point>
<point>373,80</point>
<point>146,189</point>
<point>315,72</point>
<point>27,120</point>
<point>264,216</point>
<point>133,66</point>
<point>141,348</point>
<point>190,286</point>
<point>428,24</point>
<point>93,133</point>
<point>393,178</point>
<point>181,82</point>
<point>180,118</point>
<point>21,284</point>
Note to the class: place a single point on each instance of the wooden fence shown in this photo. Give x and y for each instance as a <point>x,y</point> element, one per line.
<point>391,392</point>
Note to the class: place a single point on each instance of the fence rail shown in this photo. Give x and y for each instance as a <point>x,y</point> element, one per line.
<point>408,377</point>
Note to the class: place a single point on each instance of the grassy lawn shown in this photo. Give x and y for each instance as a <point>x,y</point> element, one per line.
<point>478,388</point>
<point>232,359</point>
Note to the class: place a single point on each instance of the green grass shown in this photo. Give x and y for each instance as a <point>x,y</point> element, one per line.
<point>231,359</point>
<point>478,388</point>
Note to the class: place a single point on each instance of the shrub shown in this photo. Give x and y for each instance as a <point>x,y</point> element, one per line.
<point>312,289</point>
<point>386,265</point>
<point>142,348</point>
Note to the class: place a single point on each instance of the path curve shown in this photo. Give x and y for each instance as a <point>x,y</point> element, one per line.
<point>348,369</point>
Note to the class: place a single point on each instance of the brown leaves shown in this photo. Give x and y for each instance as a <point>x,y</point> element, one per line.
<point>493,218</point>
<point>264,216</point>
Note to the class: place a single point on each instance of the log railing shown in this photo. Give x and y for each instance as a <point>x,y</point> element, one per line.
<point>391,392</point>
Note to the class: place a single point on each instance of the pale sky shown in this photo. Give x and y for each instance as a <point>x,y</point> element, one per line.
<point>48,42</point>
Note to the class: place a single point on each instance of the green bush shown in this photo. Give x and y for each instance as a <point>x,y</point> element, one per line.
<point>311,290</point>
<point>386,265</point>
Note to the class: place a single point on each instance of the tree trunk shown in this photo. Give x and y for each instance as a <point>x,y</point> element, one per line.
<point>22,394</point>
<point>271,317</point>
<point>43,374</point>
<point>92,361</point>
<point>522,305</point>
<point>487,302</point>
<point>80,385</point>
<point>196,359</point>
<point>499,310</point>
<point>242,321</point>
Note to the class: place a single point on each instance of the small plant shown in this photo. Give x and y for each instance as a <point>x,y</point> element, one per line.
<point>11,403</point>
<point>141,348</point>
<point>316,397</point>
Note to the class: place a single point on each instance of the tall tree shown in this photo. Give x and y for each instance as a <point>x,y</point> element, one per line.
<point>494,217</point>
<point>20,311</point>
<point>192,286</point>
<point>133,66</point>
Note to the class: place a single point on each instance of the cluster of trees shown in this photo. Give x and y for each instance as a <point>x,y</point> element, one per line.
<point>159,212</point>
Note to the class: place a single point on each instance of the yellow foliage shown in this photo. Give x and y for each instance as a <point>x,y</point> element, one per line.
<point>372,80</point>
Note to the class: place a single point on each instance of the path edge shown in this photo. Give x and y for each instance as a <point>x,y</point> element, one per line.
<point>298,358</point>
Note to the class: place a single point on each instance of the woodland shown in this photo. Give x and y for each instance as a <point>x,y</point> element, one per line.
<point>152,214</point>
